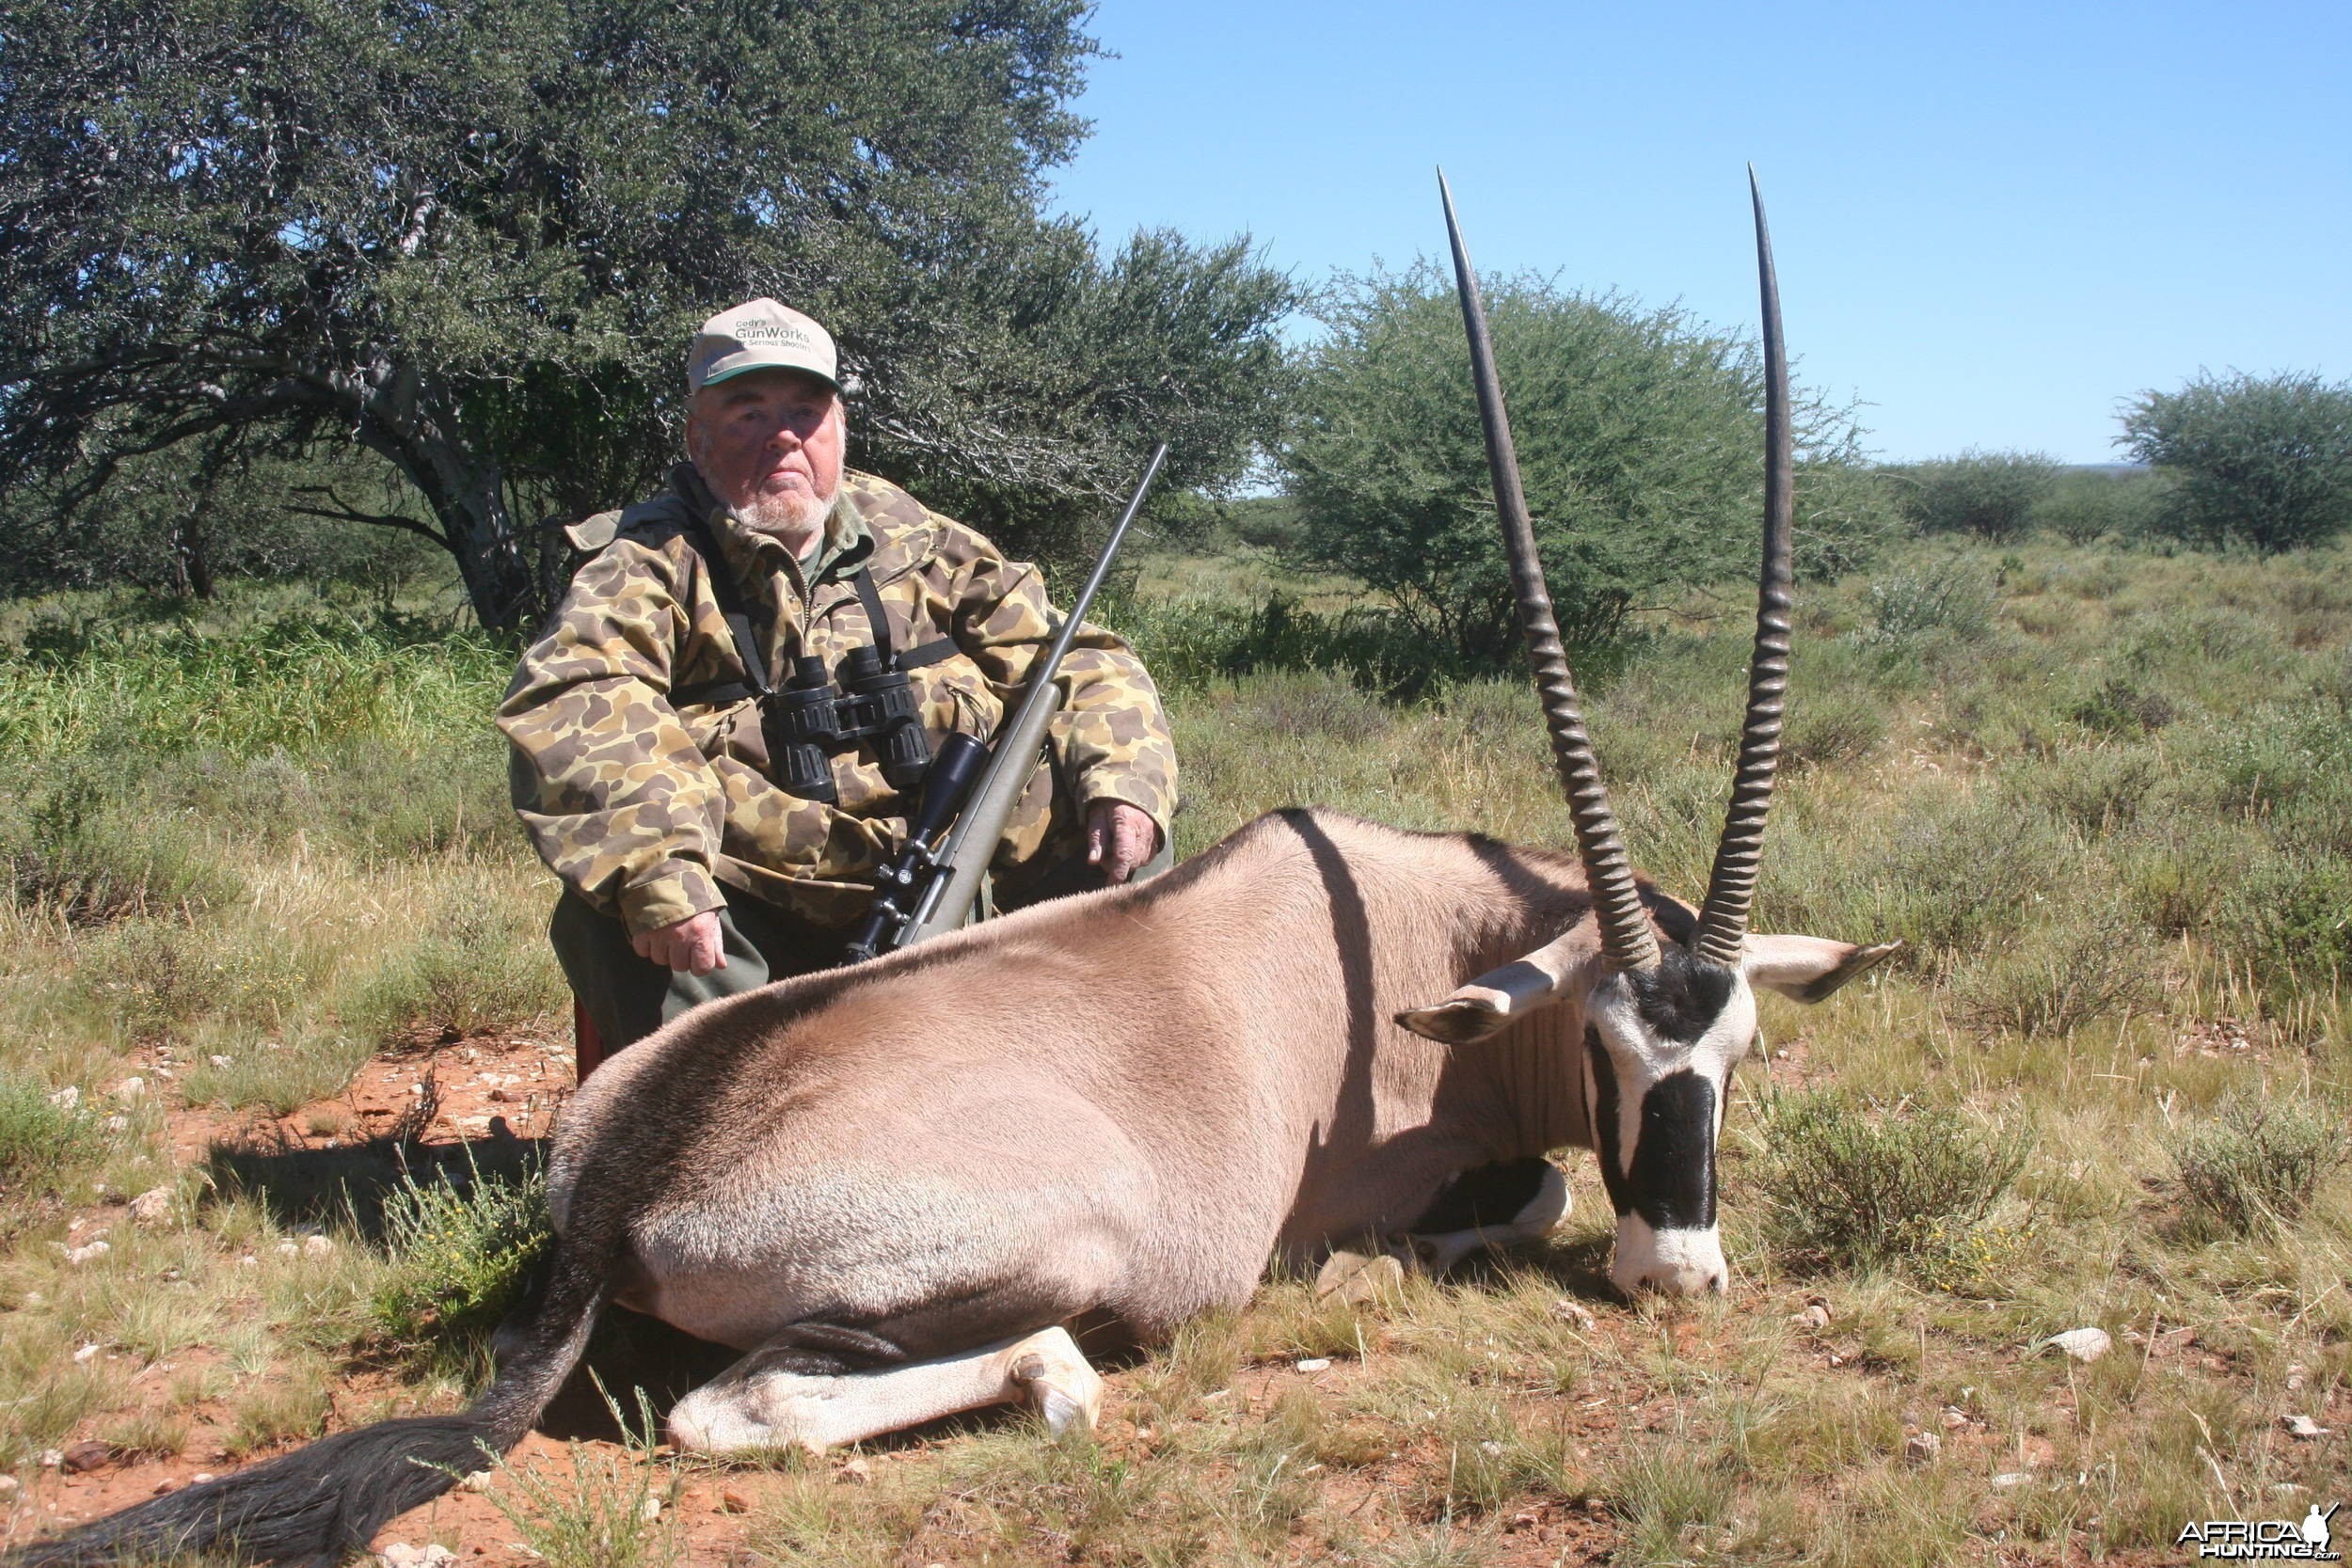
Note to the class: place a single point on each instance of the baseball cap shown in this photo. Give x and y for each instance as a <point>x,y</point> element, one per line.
<point>760,335</point>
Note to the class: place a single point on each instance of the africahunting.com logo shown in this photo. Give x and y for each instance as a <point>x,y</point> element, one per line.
<point>2264,1540</point>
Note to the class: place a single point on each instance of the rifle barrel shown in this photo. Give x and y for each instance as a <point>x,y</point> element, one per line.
<point>1014,757</point>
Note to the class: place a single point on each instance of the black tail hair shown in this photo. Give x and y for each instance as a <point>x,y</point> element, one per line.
<point>321,1503</point>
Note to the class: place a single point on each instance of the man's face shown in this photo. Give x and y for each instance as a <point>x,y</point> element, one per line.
<point>769,443</point>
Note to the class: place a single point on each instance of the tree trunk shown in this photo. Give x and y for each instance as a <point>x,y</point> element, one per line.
<point>468,501</point>
<point>192,564</point>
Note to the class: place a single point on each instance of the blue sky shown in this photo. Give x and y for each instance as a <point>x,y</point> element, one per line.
<point>1993,222</point>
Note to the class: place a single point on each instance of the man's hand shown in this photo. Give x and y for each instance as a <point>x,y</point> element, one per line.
<point>1119,838</point>
<point>692,946</point>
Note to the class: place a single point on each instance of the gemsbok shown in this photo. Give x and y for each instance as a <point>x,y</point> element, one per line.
<point>896,1187</point>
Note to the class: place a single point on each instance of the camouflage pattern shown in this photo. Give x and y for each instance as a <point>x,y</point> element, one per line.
<point>643,806</point>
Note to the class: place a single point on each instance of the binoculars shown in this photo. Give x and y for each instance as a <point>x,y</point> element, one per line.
<point>808,722</point>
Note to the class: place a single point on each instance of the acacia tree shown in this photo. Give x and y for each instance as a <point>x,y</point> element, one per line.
<point>2264,461</point>
<point>473,240</point>
<point>1640,437</point>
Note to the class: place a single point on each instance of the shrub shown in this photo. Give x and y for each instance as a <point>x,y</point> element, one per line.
<point>2263,461</point>
<point>92,857</point>
<point>2059,979</point>
<point>475,968</point>
<point>1853,1188</point>
<point>40,1139</point>
<point>612,1510</point>
<point>2086,505</point>
<point>1917,603</point>
<point>1640,438</point>
<point>1989,495</point>
<point>2257,1162</point>
<point>460,1253</point>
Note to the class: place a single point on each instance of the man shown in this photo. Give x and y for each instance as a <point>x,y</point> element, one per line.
<point>639,767</point>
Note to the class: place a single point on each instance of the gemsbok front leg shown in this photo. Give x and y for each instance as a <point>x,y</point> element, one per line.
<point>762,1402</point>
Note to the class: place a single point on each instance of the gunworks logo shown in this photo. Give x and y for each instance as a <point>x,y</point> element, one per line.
<point>2264,1540</point>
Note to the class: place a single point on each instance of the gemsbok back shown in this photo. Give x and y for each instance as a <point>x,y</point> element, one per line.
<point>895,1188</point>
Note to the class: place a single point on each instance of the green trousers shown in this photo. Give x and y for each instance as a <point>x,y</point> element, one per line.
<point>627,997</point>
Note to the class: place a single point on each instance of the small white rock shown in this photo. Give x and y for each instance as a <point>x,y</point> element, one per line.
<point>1921,1448</point>
<point>87,1353</point>
<point>318,1247</point>
<point>2083,1344</point>
<point>131,1090</point>
<point>52,1459</point>
<point>219,1061</point>
<point>1491,1448</point>
<point>2298,1374</point>
<point>201,1478</point>
<point>652,1509</point>
<point>2007,1478</point>
<point>288,1248</point>
<point>1574,1312</point>
<point>7,1484</point>
<point>1315,1364</point>
<point>2304,1427</point>
<point>66,1099</point>
<point>151,1205</point>
<point>478,1481</point>
<point>80,1254</point>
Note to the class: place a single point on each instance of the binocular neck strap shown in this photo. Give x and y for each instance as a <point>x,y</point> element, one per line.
<point>875,616</point>
<point>737,615</point>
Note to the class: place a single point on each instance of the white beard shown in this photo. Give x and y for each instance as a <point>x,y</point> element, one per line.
<point>791,512</point>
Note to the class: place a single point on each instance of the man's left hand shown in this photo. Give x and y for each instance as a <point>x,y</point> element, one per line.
<point>1119,838</point>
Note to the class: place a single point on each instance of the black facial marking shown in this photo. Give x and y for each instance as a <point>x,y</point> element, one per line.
<point>1484,1195</point>
<point>1605,1119</point>
<point>1672,1183</point>
<point>1673,1179</point>
<point>1682,997</point>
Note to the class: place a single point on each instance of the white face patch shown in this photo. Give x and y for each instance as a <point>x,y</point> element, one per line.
<point>1658,1105</point>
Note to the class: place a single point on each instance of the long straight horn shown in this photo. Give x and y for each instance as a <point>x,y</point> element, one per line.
<point>1626,939</point>
<point>1731,888</point>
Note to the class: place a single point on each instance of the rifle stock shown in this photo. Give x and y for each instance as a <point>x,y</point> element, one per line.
<point>1014,757</point>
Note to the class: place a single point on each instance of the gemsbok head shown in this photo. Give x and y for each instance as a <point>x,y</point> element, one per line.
<point>1665,1021</point>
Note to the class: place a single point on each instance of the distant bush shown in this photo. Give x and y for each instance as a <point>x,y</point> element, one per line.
<point>1854,1188</point>
<point>2085,505</point>
<point>1913,603</point>
<point>2259,461</point>
<point>1986,495</point>
<point>1190,642</point>
<point>1640,435</point>
<point>2258,1161</point>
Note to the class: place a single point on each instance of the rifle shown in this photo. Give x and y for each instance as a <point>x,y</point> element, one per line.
<point>931,886</point>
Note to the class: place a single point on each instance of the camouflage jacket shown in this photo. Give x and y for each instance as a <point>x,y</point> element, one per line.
<point>645,805</point>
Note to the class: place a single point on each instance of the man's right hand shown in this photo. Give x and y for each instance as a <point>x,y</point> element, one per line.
<point>692,946</point>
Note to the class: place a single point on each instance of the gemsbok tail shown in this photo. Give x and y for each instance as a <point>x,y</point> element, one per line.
<point>323,1502</point>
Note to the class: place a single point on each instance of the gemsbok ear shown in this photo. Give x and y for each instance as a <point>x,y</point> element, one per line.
<point>1807,968</point>
<point>1484,1006</point>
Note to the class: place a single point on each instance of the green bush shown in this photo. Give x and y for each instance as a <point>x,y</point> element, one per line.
<point>2259,461</point>
<point>1988,495</point>
<point>2257,1162</point>
<point>80,849</point>
<point>1853,1188</point>
<point>1951,600</point>
<point>41,1140</point>
<point>461,1253</point>
<point>1640,437</point>
<point>2086,505</point>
